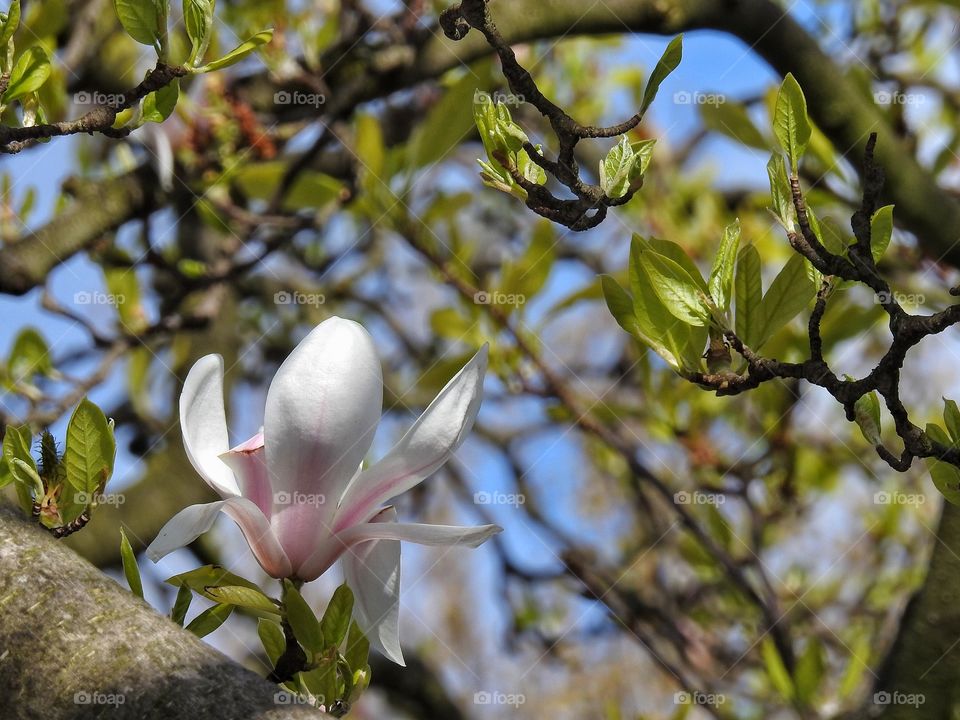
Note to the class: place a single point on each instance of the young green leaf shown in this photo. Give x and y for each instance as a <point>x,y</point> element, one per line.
<point>946,477</point>
<point>271,636</point>
<point>866,413</point>
<point>776,670</point>
<point>239,52</point>
<point>951,418</point>
<point>721,276</point>
<point>748,293</point>
<point>357,650</point>
<point>790,122</point>
<point>181,604</point>
<point>29,356</point>
<point>198,20</point>
<point>667,64</point>
<point>780,190</point>
<point>809,671</point>
<point>881,230</point>
<point>141,19</point>
<point>6,475</point>
<point>209,576</point>
<point>336,618</point>
<point>321,681</point>
<point>209,620</point>
<point>732,120</point>
<point>28,75</point>
<point>620,304</point>
<point>130,569</point>
<point>789,293</point>
<point>675,288</point>
<point>241,596</point>
<point>305,625</point>
<point>158,105</point>
<point>90,448</point>
<point>11,23</point>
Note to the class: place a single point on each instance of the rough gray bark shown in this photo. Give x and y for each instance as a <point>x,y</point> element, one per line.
<point>68,632</point>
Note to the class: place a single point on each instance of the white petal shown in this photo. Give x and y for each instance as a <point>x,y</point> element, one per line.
<point>191,522</point>
<point>249,464</point>
<point>372,570</point>
<point>204,424</point>
<point>426,446</point>
<point>322,411</point>
<point>420,533</point>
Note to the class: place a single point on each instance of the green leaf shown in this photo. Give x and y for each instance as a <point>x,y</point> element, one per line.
<point>141,19</point>
<point>130,569</point>
<point>159,105</point>
<point>6,475</point>
<point>624,166</point>
<point>809,671</point>
<point>526,276</point>
<point>209,576</point>
<point>322,681</point>
<point>181,604</point>
<point>789,293</point>
<point>780,190</point>
<point>29,356</point>
<point>881,230</point>
<point>790,122</point>
<point>951,419</point>
<point>748,292</point>
<point>16,454</point>
<point>731,119</point>
<point>198,20</point>
<point>336,618</point>
<point>674,251</point>
<point>357,650</point>
<point>90,448</point>
<point>866,413</point>
<point>657,327</point>
<point>620,304</point>
<point>29,74</point>
<point>305,626</point>
<point>209,620</point>
<point>674,286</point>
<point>241,596</point>
<point>946,477</point>
<point>776,670</point>
<point>271,636</point>
<point>260,181</point>
<point>239,52</point>
<point>10,26</point>
<point>721,276</point>
<point>667,64</point>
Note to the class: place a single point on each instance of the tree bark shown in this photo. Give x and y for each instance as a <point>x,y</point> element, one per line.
<point>74,644</point>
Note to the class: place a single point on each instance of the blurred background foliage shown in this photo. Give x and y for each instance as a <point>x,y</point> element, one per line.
<point>325,176</point>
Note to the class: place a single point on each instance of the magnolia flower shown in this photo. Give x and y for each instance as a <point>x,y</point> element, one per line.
<point>295,489</point>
